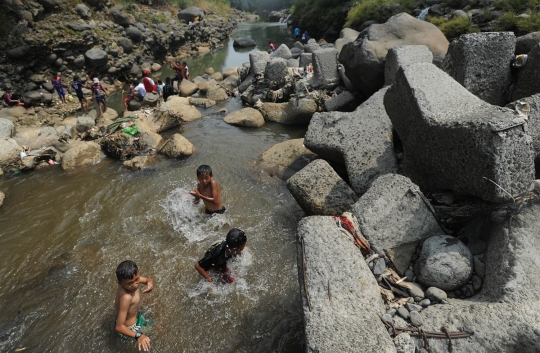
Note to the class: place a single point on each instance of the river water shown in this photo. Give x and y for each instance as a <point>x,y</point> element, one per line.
<point>62,235</point>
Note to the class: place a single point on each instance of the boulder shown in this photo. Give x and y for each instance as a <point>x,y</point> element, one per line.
<point>12,113</point>
<point>325,69</point>
<point>120,18</point>
<point>524,44</point>
<point>83,11</point>
<point>79,62</point>
<point>527,85</point>
<point>306,59</point>
<point>217,76</point>
<point>155,67</point>
<point>35,98</point>
<point>82,154</point>
<point>481,63</point>
<point>17,52</point>
<point>134,105</point>
<point>247,117</point>
<point>187,88</point>
<point>37,79</point>
<point>216,93</point>
<point>444,262</point>
<point>231,71</point>
<point>311,47</point>
<point>293,63</point>
<point>244,42</point>
<point>149,140</point>
<point>274,16</point>
<point>402,55</point>
<point>190,13</point>
<point>364,58</point>
<point>319,190</point>
<point>339,101</point>
<point>362,139</point>
<point>350,320</point>
<point>7,128</point>
<point>286,158</point>
<point>96,57</point>
<point>9,154</point>
<point>283,52</point>
<point>134,34</point>
<point>258,61</point>
<point>393,213</point>
<point>296,52</point>
<point>174,112</point>
<point>533,120</point>
<point>452,140</point>
<point>177,146</point>
<point>348,33</point>
<point>341,42</point>
<point>126,44</point>
<point>85,123</point>
<point>150,99</point>
<point>163,27</point>
<point>138,163</point>
<point>202,102</point>
<point>230,83</point>
<point>295,112</point>
<point>276,70</point>
<point>78,27</point>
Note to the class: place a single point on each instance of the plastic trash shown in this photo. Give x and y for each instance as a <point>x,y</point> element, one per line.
<point>131,130</point>
<point>22,154</point>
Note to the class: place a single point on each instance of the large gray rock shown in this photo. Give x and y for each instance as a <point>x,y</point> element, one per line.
<point>36,98</point>
<point>258,61</point>
<point>339,101</point>
<point>78,27</point>
<point>248,117</point>
<point>504,315</point>
<point>119,17</point>
<point>364,58</point>
<point>83,11</point>
<point>453,140</point>
<point>244,42</point>
<point>18,52</point>
<point>392,213</point>
<point>134,34</point>
<point>481,63</point>
<point>348,33</point>
<point>311,47</point>
<point>444,262</point>
<point>362,139</point>
<point>325,69</point>
<point>190,13</point>
<point>527,84</point>
<point>284,159</point>
<point>7,128</point>
<point>402,55</point>
<point>126,44</point>
<point>526,43</point>
<point>82,154</point>
<point>282,51</point>
<point>177,146</point>
<point>79,62</point>
<point>96,57</point>
<point>276,70</point>
<point>86,122</point>
<point>349,322</point>
<point>295,112</point>
<point>9,154</point>
<point>306,59</point>
<point>150,99</point>
<point>296,52</point>
<point>319,190</point>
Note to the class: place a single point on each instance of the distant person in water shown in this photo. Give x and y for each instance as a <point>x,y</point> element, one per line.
<point>296,33</point>
<point>219,253</point>
<point>272,47</point>
<point>208,190</point>
<point>59,87</point>
<point>128,299</point>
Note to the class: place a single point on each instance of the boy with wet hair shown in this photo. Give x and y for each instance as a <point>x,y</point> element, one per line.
<point>208,190</point>
<point>77,86</point>
<point>219,253</point>
<point>128,299</point>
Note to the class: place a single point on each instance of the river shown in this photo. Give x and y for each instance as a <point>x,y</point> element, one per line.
<point>63,234</point>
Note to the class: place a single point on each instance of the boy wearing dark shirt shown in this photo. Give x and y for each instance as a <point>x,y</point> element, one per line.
<point>77,87</point>
<point>219,253</point>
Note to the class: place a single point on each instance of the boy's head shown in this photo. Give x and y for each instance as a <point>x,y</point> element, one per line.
<point>76,78</point>
<point>168,80</point>
<point>184,63</point>
<point>160,82</point>
<point>236,240</point>
<point>204,174</point>
<point>127,274</point>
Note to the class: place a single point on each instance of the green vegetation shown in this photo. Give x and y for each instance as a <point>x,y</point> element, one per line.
<point>378,10</point>
<point>519,25</point>
<point>515,5</point>
<point>454,27</point>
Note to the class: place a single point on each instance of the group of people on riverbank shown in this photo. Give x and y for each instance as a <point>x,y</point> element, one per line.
<point>129,321</point>
<point>304,38</point>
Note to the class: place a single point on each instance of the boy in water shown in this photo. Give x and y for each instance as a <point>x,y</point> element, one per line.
<point>208,190</point>
<point>128,300</point>
<point>219,253</point>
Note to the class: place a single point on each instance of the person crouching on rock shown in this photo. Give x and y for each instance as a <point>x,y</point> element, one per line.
<point>98,92</point>
<point>139,91</point>
<point>149,84</point>
<point>77,86</point>
<point>10,100</point>
<point>219,253</point>
<point>57,84</point>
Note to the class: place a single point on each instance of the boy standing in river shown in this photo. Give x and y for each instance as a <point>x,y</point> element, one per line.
<point>128,300</point>
<point>208,190</point>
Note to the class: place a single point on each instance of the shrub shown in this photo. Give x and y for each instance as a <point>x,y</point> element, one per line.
<point>454,27</point>
<point>378,10</point>
<point>515,5</point>
<point>506,22</point>
<point>529,24</point>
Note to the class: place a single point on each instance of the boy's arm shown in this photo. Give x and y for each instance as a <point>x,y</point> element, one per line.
<point>216,199</point>
<point>143,341</point>
<point>149,284</point>
<point>203,272</point>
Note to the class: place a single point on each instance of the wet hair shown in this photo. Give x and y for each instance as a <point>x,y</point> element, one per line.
<point>76,78</point>
<point>160,82</point>
<point>236,238</point>
<point>184,63</point>
<point>126,270</point>
<point>135,82</point>
<point>204,169</point>
<point>167,80</point>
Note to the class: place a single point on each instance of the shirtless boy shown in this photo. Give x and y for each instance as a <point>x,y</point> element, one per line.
<point>128,300</point>
<point>208,190</point>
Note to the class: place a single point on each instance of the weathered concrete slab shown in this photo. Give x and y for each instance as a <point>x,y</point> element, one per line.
<point>527,84</point>
<point>504,316</point>
<point>403,55</point>
<point>362,139</point>
<point>453,140</point>
<point>319,190</point>
<point>339,101</point>
<point>257,62</point>
<point>349,322</point>
<point>325,69</point>
<point>481,63</point>
<point>533,119</point>
<point>392,213</point>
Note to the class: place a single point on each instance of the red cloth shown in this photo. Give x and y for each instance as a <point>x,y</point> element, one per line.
<point>149,85</point>
<point>226,275</point>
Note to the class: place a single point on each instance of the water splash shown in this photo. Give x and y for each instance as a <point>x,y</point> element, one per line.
<point>423,14</point>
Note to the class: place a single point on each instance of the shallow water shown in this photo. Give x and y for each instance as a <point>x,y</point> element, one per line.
<point>63,234</point>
